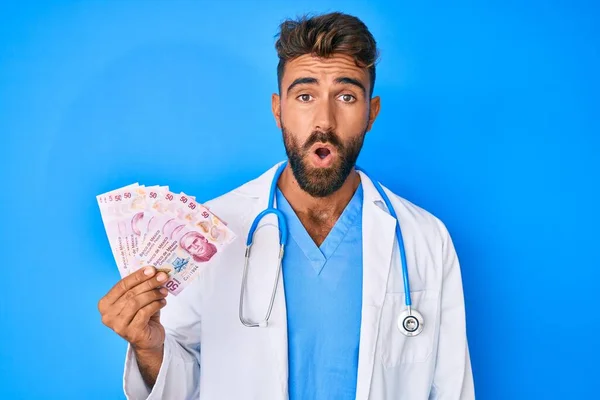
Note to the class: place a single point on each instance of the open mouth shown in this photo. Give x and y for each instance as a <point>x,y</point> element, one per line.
<point>322,152</point>
<point>323,155</point>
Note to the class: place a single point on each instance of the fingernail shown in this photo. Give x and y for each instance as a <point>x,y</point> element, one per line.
<point>163,290</point>
<point>148,271</point>
<point>161,277</point>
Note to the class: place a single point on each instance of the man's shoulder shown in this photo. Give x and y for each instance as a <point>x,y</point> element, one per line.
<point>416,217</point>
<point>238,196</point>
<point>233,203</point>
<point>236,204</point>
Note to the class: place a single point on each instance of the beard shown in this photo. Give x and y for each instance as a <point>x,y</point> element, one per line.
<point>321,182</point>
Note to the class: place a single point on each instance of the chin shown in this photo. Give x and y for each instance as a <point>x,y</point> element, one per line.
<point>322,181</point>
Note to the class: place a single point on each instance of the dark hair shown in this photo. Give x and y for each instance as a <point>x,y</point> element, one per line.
<point>323,36</point>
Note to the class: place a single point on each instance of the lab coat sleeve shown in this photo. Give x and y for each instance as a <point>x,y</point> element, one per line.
<point>179,373</point>
<point>453,377</point>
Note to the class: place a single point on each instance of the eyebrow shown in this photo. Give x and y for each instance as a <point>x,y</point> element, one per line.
<point>302,81</point>
<point>342,80</point>
<point>351,81</point>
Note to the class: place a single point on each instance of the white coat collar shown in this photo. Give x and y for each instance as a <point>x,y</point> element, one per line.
<point>378,246</point>
<point>258,188</point>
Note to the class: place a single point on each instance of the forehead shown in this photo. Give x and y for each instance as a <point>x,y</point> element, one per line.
<point>324,69</point>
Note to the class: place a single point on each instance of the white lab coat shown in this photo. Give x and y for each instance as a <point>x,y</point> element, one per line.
<point>210,355</point>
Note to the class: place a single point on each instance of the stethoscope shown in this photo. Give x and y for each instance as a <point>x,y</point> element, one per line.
<point>410,322</point>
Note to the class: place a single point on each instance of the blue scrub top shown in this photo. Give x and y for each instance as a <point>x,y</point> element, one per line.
<point>323,292</point>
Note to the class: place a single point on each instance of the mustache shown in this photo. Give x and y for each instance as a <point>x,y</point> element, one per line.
<point>323,137</point>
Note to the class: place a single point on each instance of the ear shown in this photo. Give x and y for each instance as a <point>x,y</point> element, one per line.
<point>276,108</point>
<point>373,111</point>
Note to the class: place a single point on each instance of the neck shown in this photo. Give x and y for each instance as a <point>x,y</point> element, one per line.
<point>317,209</point>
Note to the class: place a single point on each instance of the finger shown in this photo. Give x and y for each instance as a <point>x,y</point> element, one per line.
<point>155,282</point>
<point>146,286</point>
<point>134,304</point>
<point>125,284</point>
<point>115,317</point>
<point>141,318</point>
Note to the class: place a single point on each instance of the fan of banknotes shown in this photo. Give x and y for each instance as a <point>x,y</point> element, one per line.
<point>150,225</point>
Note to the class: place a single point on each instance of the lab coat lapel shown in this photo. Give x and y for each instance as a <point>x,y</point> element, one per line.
<point>261,276</point>
<point>378,233</point>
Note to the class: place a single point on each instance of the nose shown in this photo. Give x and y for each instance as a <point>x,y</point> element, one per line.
<point>325,116</point>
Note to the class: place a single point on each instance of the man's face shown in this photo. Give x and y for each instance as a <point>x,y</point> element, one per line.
<point>324,111</point>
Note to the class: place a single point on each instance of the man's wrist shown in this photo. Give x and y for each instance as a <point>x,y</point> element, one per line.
<point>148,352</point>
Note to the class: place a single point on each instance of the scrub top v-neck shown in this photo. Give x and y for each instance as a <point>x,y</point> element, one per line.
<point>323,293</point>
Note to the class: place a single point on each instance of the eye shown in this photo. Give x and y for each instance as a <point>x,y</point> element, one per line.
<point>305,98</point>
<point>347,98</point>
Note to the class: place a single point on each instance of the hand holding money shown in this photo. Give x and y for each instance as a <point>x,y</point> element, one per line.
<point>158,238</point>
<point>131,308</point>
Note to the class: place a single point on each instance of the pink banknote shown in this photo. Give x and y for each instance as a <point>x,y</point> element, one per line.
<point>154,226</point>
<point>115,209</point>
<point>182,242</point>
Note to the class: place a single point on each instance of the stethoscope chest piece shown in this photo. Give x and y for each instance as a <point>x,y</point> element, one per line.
<point>410,323</point>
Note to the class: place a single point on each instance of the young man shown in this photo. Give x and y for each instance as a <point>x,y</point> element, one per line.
<point>338,327</point>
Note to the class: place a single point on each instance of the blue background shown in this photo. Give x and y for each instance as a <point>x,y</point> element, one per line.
<point>490,120</point>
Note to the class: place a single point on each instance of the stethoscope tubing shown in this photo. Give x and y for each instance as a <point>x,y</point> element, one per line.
<point>283,236</point>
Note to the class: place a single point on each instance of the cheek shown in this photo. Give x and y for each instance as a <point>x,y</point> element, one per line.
<point>294,117</point>
<point>352,119</point>
<point>297,122</point>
